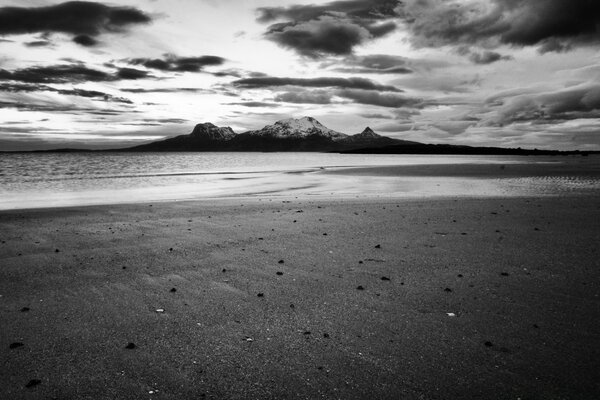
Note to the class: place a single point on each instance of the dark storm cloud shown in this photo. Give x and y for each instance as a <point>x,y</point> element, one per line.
<point>179,64</point>
<point>79,18</point>
<point>305,97</point>
<point>330,29</point>
<point>66,74</point>
<point>580,102</point>
<point>345,83</point>
<point>376,98</point>
<point>552,24</point>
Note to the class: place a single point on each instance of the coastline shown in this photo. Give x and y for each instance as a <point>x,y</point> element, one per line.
<point>521,272</point>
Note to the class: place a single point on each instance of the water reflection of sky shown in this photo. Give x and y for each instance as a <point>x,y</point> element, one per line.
<point>48,180</point>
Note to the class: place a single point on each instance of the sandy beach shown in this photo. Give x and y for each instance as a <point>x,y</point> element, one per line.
<point>492,298</point>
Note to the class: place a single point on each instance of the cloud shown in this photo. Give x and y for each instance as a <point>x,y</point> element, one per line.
<point>67,74</point>
<point>333,28</point>
<point>254,104</point>
<point>579,102</point>
<point>305,97</point>
<point>376,98</point>
<point>85,40</point>
<point>79,18</point>
<point>93,94</point>
<point>131,73</point>
<point>38,43</point>
<point>171,62</point>
<point>487,57</point>
<point>168,90</point>
<point>375,64</point>
<point>346,83</point>
<point>555,25</point>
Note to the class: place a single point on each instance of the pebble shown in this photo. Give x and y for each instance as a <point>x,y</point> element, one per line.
<point>359,287</point>
<point>279,273</point>
<point>378,246</point>
<point>173,290</point>
<point>57,250</point>
<point>281,261</point>
<point>260,295</point>
<point>326,335</point>
<point>25,309</point>
<point>32,383</point>
<point>488,344</point>
<point>16,345</point>
<point>130,346</point>
<point>448,290</point>
<point>504,273</point>
<point>385,278</point>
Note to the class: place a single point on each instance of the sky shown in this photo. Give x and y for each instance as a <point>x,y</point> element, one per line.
<point>508,73</point>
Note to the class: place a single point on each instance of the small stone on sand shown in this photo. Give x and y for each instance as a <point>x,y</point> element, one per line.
<point>279,273</point>
<point>260,295</point>
<point>130,346</point>
<point>173,290</point>
<point>385,278</point>
<point>24,309</point>
<point>448,290</point>
<point>32,383</point>
<point>359,287</point>
<point>16,345</point>
<point>378,246</point>
<point>280,262</point>
<point>488,344</point>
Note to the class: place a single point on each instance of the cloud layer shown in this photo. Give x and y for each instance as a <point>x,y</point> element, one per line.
<point>84,20</point>
<point>331,29</point>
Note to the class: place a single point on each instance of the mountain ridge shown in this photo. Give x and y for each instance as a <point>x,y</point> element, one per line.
<point>291,134</point>
<point>307,134</point>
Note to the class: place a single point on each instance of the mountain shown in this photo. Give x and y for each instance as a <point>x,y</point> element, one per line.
<point>308,134</point>
<point>298,128</point>
<point>303,134</point>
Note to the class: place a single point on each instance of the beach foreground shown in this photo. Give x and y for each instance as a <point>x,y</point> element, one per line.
<point>492,298</point>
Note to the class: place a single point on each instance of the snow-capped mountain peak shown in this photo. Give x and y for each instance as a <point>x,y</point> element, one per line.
<point>298,128</point>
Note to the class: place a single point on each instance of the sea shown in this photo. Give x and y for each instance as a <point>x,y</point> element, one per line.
<point>39,180</point>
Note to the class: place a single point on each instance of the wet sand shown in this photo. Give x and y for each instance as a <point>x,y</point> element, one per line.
<point>492,298</point>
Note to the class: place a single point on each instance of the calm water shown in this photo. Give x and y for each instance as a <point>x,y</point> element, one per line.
<point>49,180</point>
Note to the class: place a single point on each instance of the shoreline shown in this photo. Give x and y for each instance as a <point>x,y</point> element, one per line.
<point>521,275</point>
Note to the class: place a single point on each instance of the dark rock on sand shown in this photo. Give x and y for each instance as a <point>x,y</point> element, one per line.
<point>25,309</point>
<point>130,346</point>
<point>378,246</point>
<point>32,383</point>
<point>16,345</point>
<point>385,278</point>
<point>359,287</point>
<point>281,261</point>
<point>448,290</point>
<point>173,290</point>
<point>260,295</point>
<point>279,273</point>
<point>488,344</point>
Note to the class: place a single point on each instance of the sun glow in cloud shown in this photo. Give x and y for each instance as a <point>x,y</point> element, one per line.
<point>461,72</point>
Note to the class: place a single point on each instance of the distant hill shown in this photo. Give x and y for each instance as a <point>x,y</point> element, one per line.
<point>303,134</point>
